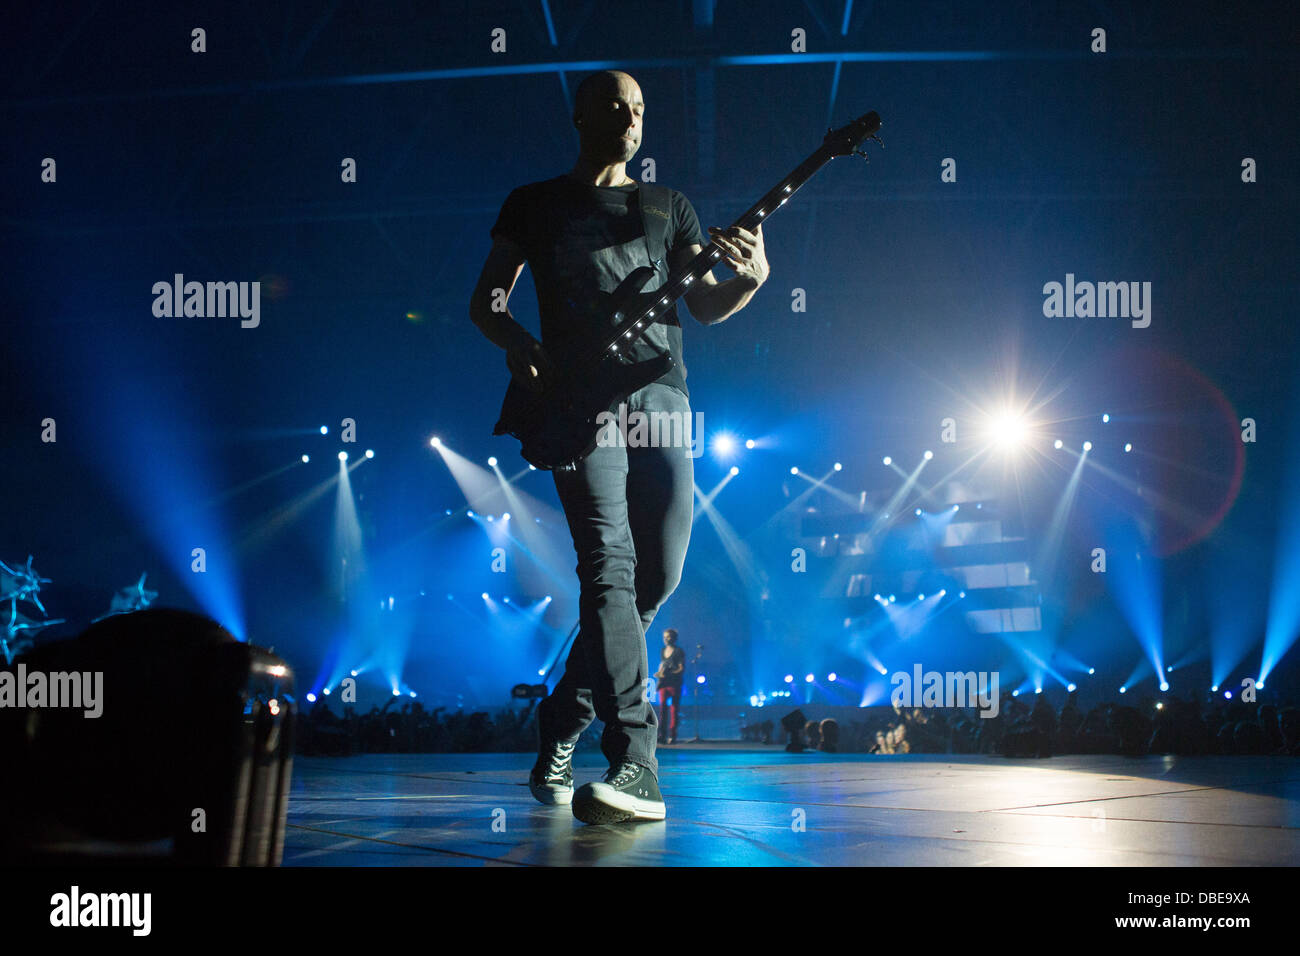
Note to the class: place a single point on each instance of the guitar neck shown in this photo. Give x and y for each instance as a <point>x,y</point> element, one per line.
<point>634,325</point>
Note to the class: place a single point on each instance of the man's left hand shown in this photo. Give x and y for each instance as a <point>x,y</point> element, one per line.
<point>744,251</point>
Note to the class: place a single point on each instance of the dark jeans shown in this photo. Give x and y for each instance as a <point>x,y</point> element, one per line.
<point>629,511</point>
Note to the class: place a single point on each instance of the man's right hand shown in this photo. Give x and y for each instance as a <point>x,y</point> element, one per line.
<point>530,365</point>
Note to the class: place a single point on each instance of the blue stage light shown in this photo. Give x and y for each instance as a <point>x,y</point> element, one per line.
<point>734,471</point>
<point>918,512</point>
<point>505,516</point>
<point>891,599</point>
<point>485,595</point>
<point>311,698</point>
<point>794,471</point>
<point>1214,689</point>
<point>749,443</point>
<point>887,461</point>
<point>370,453</point>
<point>838,466</point>
<point>492,462</point>
<point>1164,686</point>
<point>343,456</point>
<point>789,678</point>
<point>324,430</point>
<point>396,692</point>
<point>326,691</point>
<point>1123,690</point>
<point>700,679</point>
<point>1227,695</point>
<point>961,594</point>
<point>1092,670</point>
<point>809,679</point>
<point>305,459</point>
<point>831,677</point>
<point>470,513</point>
<point>1070,688</point>
<point>1105,418</point>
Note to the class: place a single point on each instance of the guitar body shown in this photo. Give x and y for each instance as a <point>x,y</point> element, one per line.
<point>558,426</point>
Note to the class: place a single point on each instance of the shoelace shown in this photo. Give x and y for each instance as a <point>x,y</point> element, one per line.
<point>625,773</point>
<point>559,761</point>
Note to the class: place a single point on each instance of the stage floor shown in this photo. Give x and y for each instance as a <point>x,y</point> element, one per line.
<point>748,805</point>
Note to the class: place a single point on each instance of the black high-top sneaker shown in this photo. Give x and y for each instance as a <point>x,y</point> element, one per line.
<point>551,779</point>
<point>630,792</point>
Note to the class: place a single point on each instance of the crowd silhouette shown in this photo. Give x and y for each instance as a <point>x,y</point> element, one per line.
<point>1169,725</point>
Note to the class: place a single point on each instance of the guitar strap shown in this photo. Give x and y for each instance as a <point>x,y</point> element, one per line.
<point>656,217</point>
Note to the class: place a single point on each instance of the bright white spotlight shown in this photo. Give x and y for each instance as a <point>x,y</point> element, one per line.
<point>1092,670</point>
<point>492,462</point>
<point>1164,686</point>
<point>343,456</point>
<point>1214,689</point>
<point>311,698</point>
<point>485,596</point>
<point>918,512</point>
<point>1070,688</point>
<point>723,444</point>
<point>1123,690</point>
<point>354,673</point>
<point>1105,418</point>
<point>506,516</point>
<point>794,471</point>
<point>324,430</point>
<point>305,459</point>
<point>961,594</point>
<point>370,453</point>
<point>920,597</point>
<point>838,466</point>
<point>887,461</point>
<point>892,599</point>
<point>1058,443</point>
<point>326,691</point>
<point>809,679</point>
<point>435,441</point>
<point>506,599</point>
<point>734,471</point>
<point>929,455</point>
<point>1128,446</point>
<point>1009,431</point>
<point>943,592</point>
<point>548,597</point>
<point>532,467</point>
<point>749,443</point>
<point>1087,446</point>
<point>541,672</point>
<point>1038,690</point>
<point>789,678</point>
<point>492,517</point>
<point>396,692</point>
<point>831,676</point>
<point>700,679</point>
<point>412,693</point>
<point>468,512</point>
<point>956,507</point>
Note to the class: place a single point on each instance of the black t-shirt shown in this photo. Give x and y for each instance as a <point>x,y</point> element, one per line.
<point>671,658</point>
<point>581,241</point>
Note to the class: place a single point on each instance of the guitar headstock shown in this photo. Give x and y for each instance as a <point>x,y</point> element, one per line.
<point>846,140</point>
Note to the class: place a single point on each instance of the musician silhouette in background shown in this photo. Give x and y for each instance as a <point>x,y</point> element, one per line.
<point>672,665</point>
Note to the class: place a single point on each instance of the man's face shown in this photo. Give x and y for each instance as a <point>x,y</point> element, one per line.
<point>668,639</point>
<point>612,121</point>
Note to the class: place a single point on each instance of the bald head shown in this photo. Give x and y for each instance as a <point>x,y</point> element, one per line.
<point>607,112</point>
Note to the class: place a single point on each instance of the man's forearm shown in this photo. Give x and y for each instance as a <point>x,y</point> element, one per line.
<point>500,328</point>
<point>719,302</point>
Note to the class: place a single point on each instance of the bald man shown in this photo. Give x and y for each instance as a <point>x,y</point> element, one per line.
<point>628,507</point>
